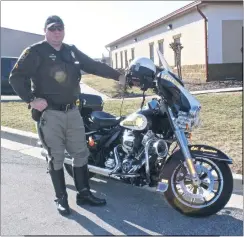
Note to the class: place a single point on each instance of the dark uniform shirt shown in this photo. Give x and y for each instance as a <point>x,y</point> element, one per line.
<point>55,74</point>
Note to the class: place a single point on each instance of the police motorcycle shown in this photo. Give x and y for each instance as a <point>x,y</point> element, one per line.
<point>151,147</point>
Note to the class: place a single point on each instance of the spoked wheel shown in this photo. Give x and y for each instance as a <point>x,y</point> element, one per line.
<point>206,199</point>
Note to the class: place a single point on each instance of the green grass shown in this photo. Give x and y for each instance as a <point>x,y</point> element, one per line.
<point>110,87</point>
<point>221,121</point>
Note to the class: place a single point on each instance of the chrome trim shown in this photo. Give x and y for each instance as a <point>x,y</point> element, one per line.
<point>92,132</point>
<point>201,194</point>
<point>117,160</point>
<point>183,144</point>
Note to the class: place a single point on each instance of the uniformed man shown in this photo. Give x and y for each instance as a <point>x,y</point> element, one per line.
<point>52,67</point>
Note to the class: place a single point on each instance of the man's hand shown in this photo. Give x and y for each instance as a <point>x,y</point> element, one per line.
<point>39,104</point>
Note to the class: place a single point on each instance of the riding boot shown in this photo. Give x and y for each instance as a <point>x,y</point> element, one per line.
<point>84,195</point>
<point>58,181</point>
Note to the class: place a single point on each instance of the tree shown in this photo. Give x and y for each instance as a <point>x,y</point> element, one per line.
<point>177,47</point>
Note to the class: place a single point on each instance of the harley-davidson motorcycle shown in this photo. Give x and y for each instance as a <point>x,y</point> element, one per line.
<point>152,147</point>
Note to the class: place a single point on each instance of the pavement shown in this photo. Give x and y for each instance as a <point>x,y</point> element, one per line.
<point>87,89</point>
<point>28,208</point>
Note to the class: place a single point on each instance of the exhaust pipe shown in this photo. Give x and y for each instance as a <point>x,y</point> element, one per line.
<point>98,170</point>
<point>107,173</point>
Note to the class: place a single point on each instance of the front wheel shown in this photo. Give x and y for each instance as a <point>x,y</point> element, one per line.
<point>209,197</point>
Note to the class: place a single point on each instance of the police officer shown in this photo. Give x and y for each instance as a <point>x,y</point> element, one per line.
<point>52,67</point>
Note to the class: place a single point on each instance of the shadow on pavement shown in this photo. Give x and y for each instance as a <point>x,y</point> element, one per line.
<point>134,211</point>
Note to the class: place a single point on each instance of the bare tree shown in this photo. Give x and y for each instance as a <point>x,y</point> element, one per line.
<point>177,47</point>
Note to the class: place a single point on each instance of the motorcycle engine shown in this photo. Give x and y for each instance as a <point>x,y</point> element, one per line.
<point>131,141</point>
<point>130,152</point>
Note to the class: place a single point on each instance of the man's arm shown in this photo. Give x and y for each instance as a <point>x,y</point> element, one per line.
<point>93,67</point>
<point>22,72</point>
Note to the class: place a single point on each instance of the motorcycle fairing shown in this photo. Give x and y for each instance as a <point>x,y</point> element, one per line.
<point>176,95</point>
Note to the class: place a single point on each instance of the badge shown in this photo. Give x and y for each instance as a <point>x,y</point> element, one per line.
<point>53,57</point>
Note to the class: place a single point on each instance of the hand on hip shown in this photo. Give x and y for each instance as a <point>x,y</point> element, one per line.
<point>39,104</point>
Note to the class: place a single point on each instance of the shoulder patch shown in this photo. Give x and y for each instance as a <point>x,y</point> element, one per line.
<point>24,54</point>
<point>22,57</point>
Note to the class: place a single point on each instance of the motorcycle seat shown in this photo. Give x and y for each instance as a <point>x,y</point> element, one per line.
<point>103,119</point>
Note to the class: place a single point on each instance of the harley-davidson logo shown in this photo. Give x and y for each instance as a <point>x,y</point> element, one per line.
<point>195,148</point>
<point>129,123</point>
<point>138,122</point>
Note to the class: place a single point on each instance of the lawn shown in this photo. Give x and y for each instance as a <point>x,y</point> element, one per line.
<point>221,121</point>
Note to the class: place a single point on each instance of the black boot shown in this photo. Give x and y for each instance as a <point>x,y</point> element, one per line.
<point>84,195</point>
<point>58,181</point>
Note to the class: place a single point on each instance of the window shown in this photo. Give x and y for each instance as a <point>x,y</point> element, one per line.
<point>121,59</point>
<point>151,49</point>
<point>126,62</point>
<point>132,53</point>
<point>116,60</point>
<point>161,49</point>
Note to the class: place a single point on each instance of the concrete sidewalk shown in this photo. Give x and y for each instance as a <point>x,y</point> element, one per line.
<point>87,89</point>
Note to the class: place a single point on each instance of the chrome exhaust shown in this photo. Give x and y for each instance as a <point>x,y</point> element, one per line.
<point>97,170</point>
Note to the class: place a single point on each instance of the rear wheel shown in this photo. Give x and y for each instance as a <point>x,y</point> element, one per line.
<point>209,197</point>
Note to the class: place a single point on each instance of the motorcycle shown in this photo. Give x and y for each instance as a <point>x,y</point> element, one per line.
<point>151,147</point>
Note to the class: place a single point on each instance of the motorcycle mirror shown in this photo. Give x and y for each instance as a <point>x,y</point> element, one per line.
<point>153,104</point>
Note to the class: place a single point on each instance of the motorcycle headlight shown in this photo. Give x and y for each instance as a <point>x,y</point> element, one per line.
<point>188,121</point>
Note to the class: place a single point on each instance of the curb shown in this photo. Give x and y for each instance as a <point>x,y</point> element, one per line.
<point>30,138</point>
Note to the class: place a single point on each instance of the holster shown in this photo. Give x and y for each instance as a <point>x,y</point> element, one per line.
<point>36,115</point>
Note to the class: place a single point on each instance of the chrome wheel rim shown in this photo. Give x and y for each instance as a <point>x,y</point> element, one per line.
<point>209,190</point>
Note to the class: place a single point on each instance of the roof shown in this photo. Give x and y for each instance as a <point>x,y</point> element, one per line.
<point>170,16</point>
<point>10,29</point>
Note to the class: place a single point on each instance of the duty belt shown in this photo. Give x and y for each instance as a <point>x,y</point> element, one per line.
<point>62,107</point>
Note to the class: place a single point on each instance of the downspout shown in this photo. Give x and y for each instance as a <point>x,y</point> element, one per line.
<point>206,39</point>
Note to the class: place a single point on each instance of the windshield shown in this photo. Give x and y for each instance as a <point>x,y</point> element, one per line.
<point>163,61</point>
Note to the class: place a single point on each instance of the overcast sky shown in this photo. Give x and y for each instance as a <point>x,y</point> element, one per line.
<point>89,25</point>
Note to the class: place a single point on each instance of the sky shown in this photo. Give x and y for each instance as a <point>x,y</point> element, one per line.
<point>90,25</point>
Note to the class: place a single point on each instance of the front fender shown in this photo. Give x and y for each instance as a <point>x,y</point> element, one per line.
<point>197,151</point>
<point>204,151</point>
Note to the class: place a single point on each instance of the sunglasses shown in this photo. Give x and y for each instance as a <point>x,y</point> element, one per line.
<point>53,28</point>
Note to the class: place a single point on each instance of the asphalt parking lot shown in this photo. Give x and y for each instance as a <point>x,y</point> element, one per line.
<point>28,208</point>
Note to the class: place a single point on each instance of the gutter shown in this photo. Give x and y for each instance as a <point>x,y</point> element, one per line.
<point>206,39</point>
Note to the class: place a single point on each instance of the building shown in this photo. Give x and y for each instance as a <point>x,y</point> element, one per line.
<point>104,60</point>
<point>209,31</point>
<point>13,42</point>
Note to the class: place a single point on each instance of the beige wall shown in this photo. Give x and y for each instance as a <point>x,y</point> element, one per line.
<point>216,13</point>
<point>232,41</point>
<point>191,28</point>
